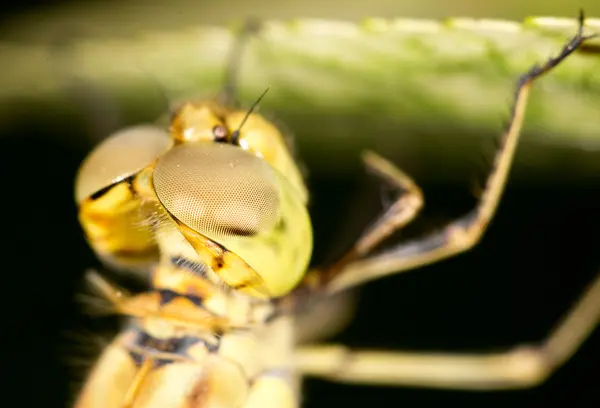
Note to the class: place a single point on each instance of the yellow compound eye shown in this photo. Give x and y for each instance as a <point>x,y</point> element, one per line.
<point>218,190</point>
<point>121,155</point>
<point>115,221</point>
<point>237,200</point>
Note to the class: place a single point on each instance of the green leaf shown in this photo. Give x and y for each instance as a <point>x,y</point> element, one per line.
<point>412,89</point>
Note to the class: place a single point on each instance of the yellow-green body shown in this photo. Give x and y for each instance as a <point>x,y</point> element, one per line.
<point>205,333</point>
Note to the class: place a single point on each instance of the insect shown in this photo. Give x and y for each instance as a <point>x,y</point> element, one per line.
<point>215,207</point>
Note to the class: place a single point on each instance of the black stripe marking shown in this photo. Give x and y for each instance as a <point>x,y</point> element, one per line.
<point>198,268</point>
<point>175,345</point>
<point>167,295</point>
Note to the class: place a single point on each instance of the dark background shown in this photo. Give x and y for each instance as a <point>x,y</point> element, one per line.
<point>538,255</point>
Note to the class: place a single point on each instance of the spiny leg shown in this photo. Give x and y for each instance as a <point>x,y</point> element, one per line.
<point>229,94</point>
<point>399,214</point>
<point>465,232</point>
<point>402,211</point>
<point>520,367</point>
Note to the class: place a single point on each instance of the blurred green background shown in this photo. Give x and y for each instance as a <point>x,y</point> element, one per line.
<point>432,100</point>
<point>113,17</point>
<point>341,86</point>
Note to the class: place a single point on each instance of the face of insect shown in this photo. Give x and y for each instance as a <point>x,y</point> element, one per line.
<point>234,193</point>
<point>210,122</point>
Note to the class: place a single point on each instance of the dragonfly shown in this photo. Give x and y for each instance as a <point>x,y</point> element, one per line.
<point>213,210</point>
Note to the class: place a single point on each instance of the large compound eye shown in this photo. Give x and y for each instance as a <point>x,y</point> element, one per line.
<point>121,155</point>
<point>218,190</point>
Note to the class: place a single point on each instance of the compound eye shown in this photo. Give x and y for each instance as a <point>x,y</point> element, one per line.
<point>121,155</point>
<point>218,190</point>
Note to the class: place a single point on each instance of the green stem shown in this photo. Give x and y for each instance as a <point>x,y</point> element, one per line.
<point>400,86</point>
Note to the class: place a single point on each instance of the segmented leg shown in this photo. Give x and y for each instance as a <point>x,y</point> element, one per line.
<point>150,304</point>
<point>461,234</point>
<point>519,367</point>
<point>404,209</point>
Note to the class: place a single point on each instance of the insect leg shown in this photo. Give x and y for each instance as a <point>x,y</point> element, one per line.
<point>466,231</point>
<point>149,305</point>
<point>400,213</point>
<point>520,367</point>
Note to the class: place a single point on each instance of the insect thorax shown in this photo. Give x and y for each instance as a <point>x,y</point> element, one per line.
<point>199,342</point>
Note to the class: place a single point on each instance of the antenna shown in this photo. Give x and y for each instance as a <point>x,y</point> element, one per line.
<point>236,133</point>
